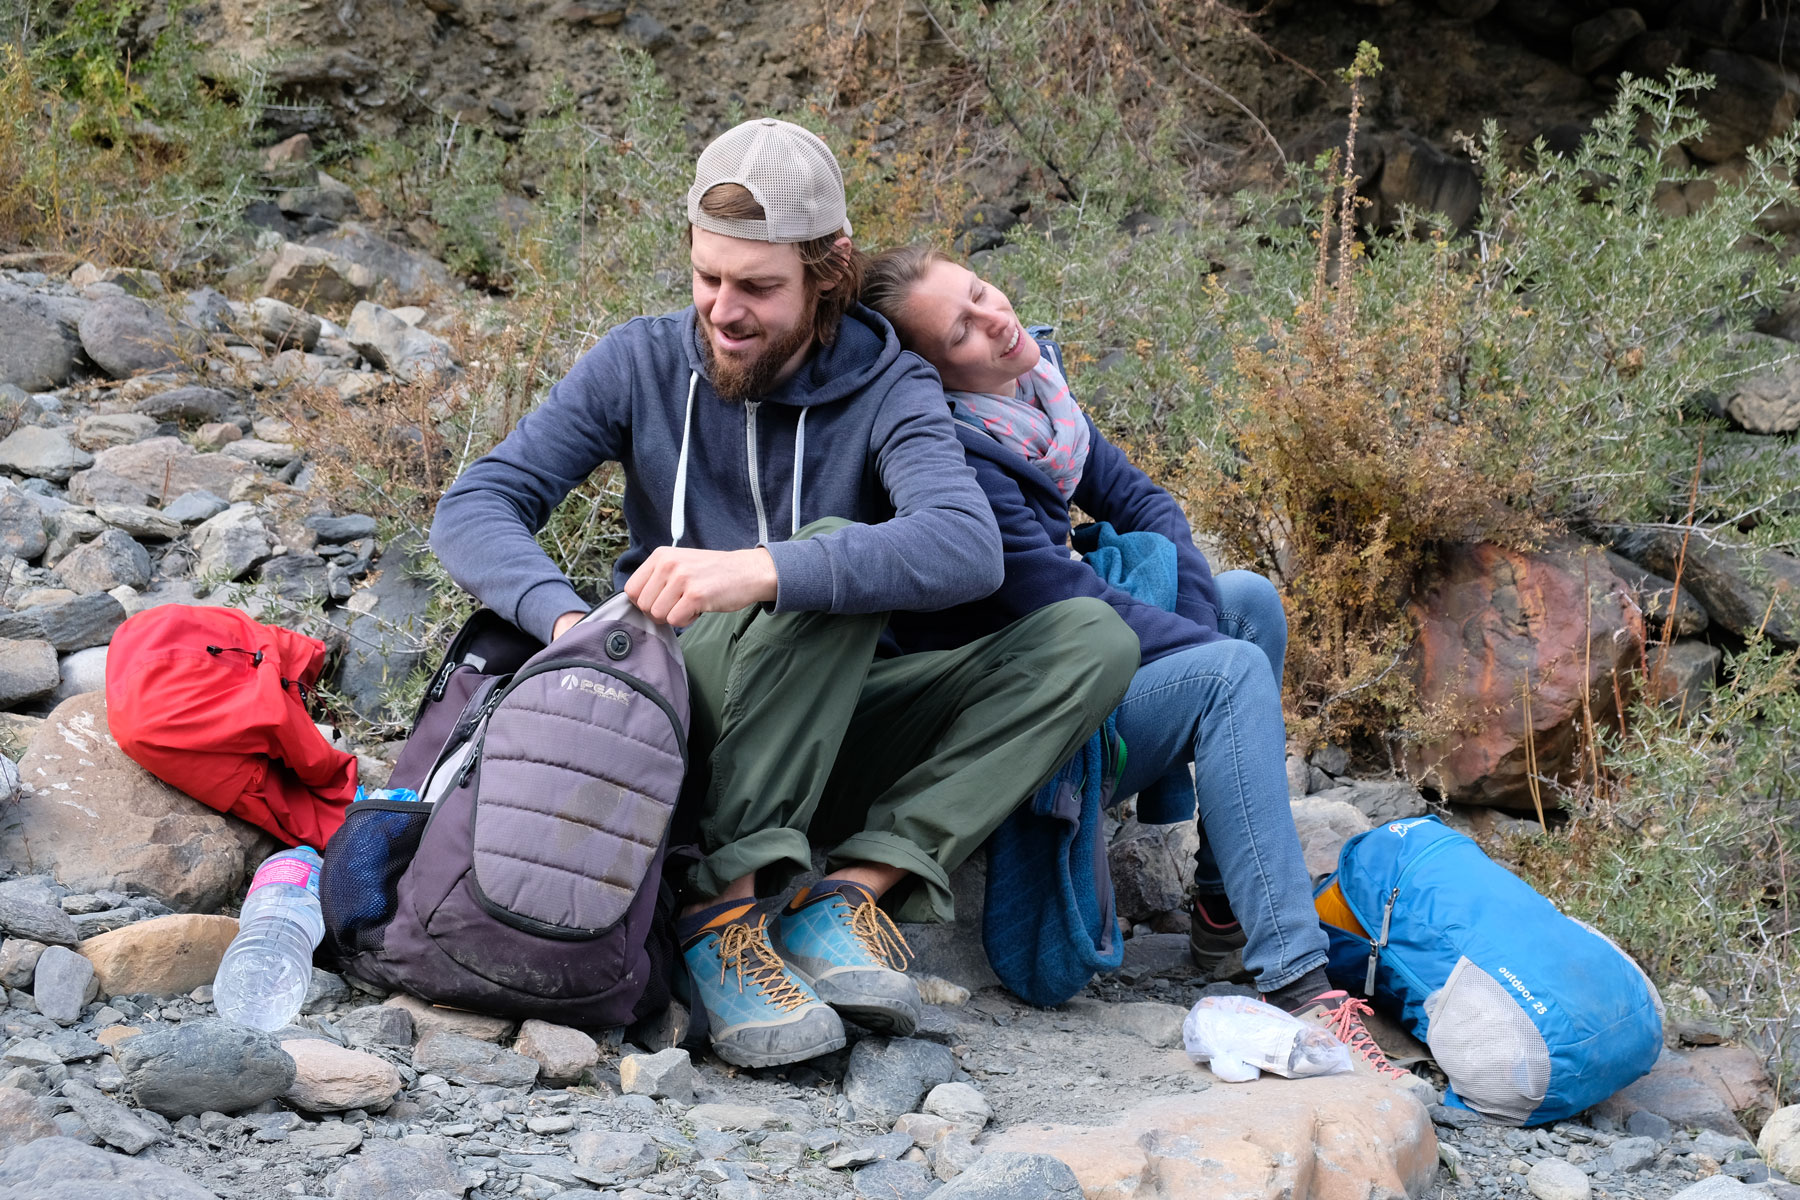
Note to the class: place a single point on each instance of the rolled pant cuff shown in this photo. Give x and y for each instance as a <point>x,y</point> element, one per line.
<point>786,849</point>
<point>931,900</point>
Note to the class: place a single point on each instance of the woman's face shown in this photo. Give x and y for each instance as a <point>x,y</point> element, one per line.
<point>965,327</point>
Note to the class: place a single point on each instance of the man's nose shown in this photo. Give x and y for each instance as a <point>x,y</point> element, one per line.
<point>728,306</point>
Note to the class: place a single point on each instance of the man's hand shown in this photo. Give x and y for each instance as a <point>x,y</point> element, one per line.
<point>676,585</point>
<point>565,623</point>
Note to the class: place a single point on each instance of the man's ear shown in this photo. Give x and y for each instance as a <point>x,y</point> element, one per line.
<point>841,251</point>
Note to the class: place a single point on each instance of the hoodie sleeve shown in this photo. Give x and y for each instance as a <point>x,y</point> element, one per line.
<point>1112,489</point>
<point>485,530</point>
<point>939,549</point>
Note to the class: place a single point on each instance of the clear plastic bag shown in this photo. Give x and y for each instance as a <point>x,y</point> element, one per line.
<point>1239,1038</point>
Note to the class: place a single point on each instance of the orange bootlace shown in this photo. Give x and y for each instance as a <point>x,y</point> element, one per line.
<point>746,947</point>
<point>1346,1025</point>
<point>880,936</point>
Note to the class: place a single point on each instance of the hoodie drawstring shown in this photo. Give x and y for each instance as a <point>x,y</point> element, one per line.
<point>799,469</point>
<point>678,504</point>
<point>678,509</point>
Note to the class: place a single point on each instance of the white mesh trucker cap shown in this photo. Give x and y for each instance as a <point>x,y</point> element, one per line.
<point>790,172</point>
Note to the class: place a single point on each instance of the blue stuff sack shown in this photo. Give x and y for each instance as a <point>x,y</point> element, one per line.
<point>1532,1015</point>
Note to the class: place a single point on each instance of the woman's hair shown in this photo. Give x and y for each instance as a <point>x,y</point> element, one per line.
<point>835,276</point>
<point>889,278</point>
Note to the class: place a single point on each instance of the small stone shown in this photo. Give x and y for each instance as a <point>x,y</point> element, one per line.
<point>109,1120</point>
<point>18,961</point>
<point>1554,1179</point>
<point>545,1126</point>
<point>331,1078</point>
<point>204,1065</point>
<point>285,326</point>
<point>326,990</point>
<point>429,1019</point>
<point>376,1025</point>
<point>888,1180</point>
<point>1633,1154</point>
<point>191,508</point>
<point>889,1076</point>
<point>27,669</point>
<point>62,984</point>
<point>226,546</point>
<point>665,1075</point>
<point>340,531</point>
<point>21,1120</point>
<point>562,1053</point>
<point>624,1155</point>
<point>164,956</point>
<point>114,429</point>
<point>111,559</point>
<point>961,1104</point>
<point>468,1060</point>
<point>76,623</point>
<point>331,1139</point>
<point>922,1128</point>
<point>21,527</point>
<point>952,1154</point>
<point>738,1117</point>
<point>30,1053</point>
<point>140,521</point>
<point>387,1170</point>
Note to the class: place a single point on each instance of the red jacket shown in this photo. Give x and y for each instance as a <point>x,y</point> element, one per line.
<point>214,703</point>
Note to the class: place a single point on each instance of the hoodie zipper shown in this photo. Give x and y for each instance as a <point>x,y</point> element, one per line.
<point>762,519</point>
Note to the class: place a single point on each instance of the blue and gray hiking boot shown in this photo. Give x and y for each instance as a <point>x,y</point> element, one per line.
<point>759,1014</point>
<point>841,943</point>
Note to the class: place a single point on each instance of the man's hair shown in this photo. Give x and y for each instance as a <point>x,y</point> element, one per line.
<point>889,278</point>
<point>834,274</point>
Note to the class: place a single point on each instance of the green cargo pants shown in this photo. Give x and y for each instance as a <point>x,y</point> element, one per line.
<point>798,729</point>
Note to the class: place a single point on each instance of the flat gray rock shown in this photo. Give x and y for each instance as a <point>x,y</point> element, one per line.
<point>59,1168</point>
<point>1012,1176</point>
<point>70,626</point>
<point>385,1171</point>
<point>109,1120</point>
<point>21,526</point>
<point>36,921</point>
<point>42,453</point>
<point>27,670</point>
<point>62,984</point>
<point>468,1059</point>
<point>190,405</point>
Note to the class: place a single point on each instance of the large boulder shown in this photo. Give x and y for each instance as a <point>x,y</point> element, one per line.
<point>391,344</point>
<point>387,641</point>
<point>1416,174</point>
<point>166,467</point>
<point>308,275</point>
<point>1769,400</point>
<point>106,562</point>
<point>1340,1137</point>
<point>36,352</point>
<point>1505,633</point>
<point>1746,592</point>
<point>1753,101</point>
<point>94,819</point>
<point>125,336</point>
<point>409,276</point>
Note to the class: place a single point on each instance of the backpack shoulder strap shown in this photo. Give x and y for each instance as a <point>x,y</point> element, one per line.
<point>1041,335</point>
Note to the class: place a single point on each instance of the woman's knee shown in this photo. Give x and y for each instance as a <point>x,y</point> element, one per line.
<point>1253,600</point>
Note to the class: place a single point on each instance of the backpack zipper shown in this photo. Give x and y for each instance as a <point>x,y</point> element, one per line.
<point>762,519</point>
<point>1375,948</point>
<point>1389,910</point>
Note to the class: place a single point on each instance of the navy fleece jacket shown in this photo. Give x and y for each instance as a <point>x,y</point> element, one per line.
<point>876,446</point>
<point>1034,530</point>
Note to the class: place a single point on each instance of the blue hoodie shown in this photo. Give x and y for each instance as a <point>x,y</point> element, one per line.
<point>865,420</point>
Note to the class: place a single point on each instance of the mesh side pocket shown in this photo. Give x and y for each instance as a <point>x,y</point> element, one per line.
<point>1493,1055</point>
<point>363,864</point>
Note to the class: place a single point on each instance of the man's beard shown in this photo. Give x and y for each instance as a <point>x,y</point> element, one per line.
<point>737,379</point>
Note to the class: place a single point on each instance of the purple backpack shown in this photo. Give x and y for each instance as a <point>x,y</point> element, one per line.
<point>527,880</point>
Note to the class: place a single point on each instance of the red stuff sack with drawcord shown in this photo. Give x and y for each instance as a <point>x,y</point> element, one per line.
<point>214,703</point>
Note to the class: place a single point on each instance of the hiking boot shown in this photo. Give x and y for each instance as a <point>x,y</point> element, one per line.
<point>842,944</point>
<point>1212,941</point>
<point>758,1013</point>
<point>1340,1014</point>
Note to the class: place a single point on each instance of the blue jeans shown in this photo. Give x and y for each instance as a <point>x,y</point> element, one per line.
<point>1218,706</point>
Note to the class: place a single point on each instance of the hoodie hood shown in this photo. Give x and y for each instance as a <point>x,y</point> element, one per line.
<point>864,349</point>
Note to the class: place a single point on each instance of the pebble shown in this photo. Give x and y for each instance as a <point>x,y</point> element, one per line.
<point>62,983</point>
<point>887,1077</point>
<point>1554,1179</point>
<point>665,1075</point>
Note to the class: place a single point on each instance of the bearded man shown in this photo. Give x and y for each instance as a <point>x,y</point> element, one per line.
<point>791,477</point>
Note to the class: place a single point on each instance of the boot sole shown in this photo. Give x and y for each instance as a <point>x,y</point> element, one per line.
<point>893,1020</point>
<point>738,1056</point>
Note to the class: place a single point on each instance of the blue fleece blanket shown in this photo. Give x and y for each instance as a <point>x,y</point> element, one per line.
<point>1048,922</point>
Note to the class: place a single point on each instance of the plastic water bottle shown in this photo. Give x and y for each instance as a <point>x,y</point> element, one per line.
<point>264,975</point>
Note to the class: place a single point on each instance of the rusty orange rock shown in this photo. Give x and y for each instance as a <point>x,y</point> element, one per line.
<point>1503,633</point>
